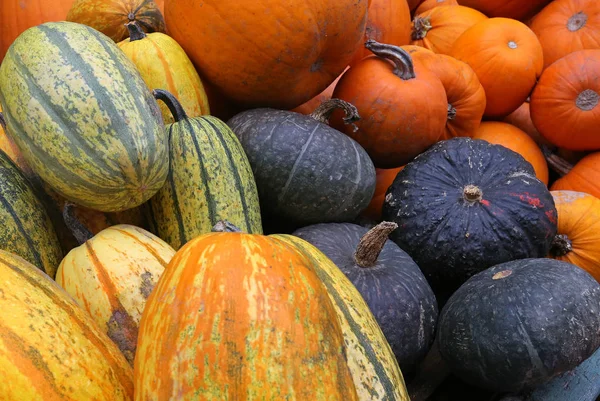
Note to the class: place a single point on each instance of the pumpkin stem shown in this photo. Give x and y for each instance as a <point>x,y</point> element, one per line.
<point>79,231</point>
<point>2,122</point>
<point>405,68</point>
<point>587,100</point>
<point>223,226</point>
<point>372,243</point>
<point>172,103</point>
<point>420,28</point>
<point>577,21</point>
<point>429,375</point>
<point>561,245</point>
<point>135,31</point>
<point>323,112</point>
<point>557,163</point>
<point>472,193</point>
<point>451,112</point>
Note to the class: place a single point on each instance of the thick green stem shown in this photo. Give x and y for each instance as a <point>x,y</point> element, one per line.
<point>172,103</point>
<point>79,231</point>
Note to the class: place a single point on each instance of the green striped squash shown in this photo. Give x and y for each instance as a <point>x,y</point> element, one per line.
<point>210,179</point>
<point>25,227</point>
<point>374,369</point>
<point>83,117</point>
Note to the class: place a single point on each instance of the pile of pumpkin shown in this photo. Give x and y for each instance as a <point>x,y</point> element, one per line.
<point>330,200</point>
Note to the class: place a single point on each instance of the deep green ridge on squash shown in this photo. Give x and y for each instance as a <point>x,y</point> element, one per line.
<point>26,229</point>
<point>83,117</point>
<point>209,180</point>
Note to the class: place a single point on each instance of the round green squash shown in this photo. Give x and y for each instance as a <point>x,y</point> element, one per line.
<point>83,117</point>
<point>209,180</point>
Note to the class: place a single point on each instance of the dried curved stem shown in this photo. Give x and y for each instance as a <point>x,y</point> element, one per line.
<point>323,112</point>
<point>372,243</point>
<point>405,68</point>
<point>135,31</point>
<point>420,28</point>
<point>557,163</point>
<point>2,122</point>
<point>79,231</point>
<point>224,226</point>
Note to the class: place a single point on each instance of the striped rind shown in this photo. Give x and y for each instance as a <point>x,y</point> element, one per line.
<point>25,227</point>
<point>240,317</point>
<point>83,117</point>
<point>210,179</point>
<point>164,65</point>
<point>12,151</point>
<point>112,275</point>
<point>374,368</point>
<point>50,349</point>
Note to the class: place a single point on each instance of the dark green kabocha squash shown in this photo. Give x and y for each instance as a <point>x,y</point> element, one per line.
<point>391,283</point>
<point>517,325</point>
<point>306,172</point>
<point>465,205</point>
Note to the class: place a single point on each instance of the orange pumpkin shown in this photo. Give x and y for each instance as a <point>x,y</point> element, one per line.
<point>564,103</point>
<point>403,109</point>
<point>429,4</point>
<point>110,16</point>
<point>312,104</point>
<point>438,28</point>
<point>17,15</point>
<point>413,4</point>
<point>515,9</point>
<point>565,26</point>
<point>388,21</point>
<point>507,58</point>
<point>268,53</point>
<point>513,138</point>
<point>584,176</point>
<point>521,118</point>
<point>464,93</point>
<point>578,235</point>
<point>244,309</point>
<point>384,178</point>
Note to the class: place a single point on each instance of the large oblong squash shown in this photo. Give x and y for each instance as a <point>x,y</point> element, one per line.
<point>50,349</point>
<point>112,275</point>
<point>240,317</point>
<point>374,369</point>
<point>83,117</point>
<point>210,179</point>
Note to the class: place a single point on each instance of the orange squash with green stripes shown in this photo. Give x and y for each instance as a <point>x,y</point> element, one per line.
<point>112,275</point>
<point>240,317</point>
<point>164,65</point>
<point>50,349</point>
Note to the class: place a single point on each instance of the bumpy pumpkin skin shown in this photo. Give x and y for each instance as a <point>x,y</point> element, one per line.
<point>110,16</point>
<point>583,177</point>
<point>564,103</point>
<point>285,53</point>
<point>244,309</point>
<point>515,9</point>
<point>83,117</point>
<point>306,172</point>
<point>111,276</point>
<point>448,235</point>
<point>396,291</point>
<point>518,324</point>
<point>79,363</point>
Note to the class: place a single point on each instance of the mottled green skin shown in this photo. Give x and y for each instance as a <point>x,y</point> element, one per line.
<point>25,228</point>
<point>209,180</point>
<point>83,117</point>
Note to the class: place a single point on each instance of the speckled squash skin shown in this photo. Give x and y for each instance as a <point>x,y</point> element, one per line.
<point>452,238</point>
<point>518,324</point>
<point>83,117</point>
<point>395,290</point>
<point>305,171</point>
<point>50,348</point>
<point>26,229</point>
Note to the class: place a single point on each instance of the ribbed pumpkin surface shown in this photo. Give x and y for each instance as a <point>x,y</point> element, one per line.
<point>210,179</point>
<point>240,317</point>
<point>164,65</point>
<point>374,368</point>
<point>112,275</point>
<point>50,349</point>
<point>25,227</point>
<point>83,117</point>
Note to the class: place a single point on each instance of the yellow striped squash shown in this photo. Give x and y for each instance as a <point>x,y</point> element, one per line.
<point>210,179</point>
<point>25,227</point>
<point>164,65</point>
<point>376,374</point>
<point>112,275</point>
<point>10,148</point>
<point>83,117</point>
<point>50,349</point>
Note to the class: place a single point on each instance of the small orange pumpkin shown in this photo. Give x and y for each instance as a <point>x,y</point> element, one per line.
<point>438,28</point>
<point>521,118</point>
<point>507,58</point>
<point>578,235</point>
<point>384,178</point>
<point>513,138</point>
<point>584,176</point>
<point>413,4</point>
<point>429,4</point>
<point>564,103</point>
